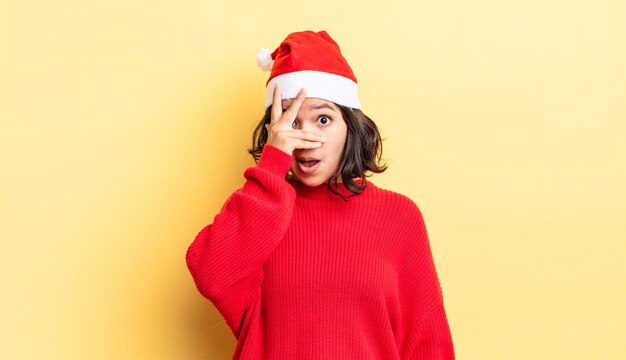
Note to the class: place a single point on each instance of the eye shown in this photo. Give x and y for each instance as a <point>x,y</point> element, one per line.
<point>328,119</point>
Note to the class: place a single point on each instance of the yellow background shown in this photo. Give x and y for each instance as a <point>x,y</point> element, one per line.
<point>125,124</point>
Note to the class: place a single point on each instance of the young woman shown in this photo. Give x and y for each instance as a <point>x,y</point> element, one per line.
<point>309,259</point>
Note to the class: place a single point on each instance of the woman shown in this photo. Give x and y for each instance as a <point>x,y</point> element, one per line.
<point>301,261</point>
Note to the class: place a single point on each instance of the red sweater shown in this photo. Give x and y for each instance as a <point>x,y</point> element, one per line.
<point>298,273</point>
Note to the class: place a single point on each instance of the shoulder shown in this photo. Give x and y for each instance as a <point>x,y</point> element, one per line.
<point>402,218</point>
<point>400,204</point>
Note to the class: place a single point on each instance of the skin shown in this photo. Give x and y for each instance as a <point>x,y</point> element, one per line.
<point>296,128</point>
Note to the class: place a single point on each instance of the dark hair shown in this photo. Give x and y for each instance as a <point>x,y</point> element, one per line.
<point>362,150</point>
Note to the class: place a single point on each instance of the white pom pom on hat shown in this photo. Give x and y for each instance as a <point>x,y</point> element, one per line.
<point>264,59</point>
<point>310,60</point>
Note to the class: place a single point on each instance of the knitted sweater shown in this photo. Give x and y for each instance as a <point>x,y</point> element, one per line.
<point>298,273</point>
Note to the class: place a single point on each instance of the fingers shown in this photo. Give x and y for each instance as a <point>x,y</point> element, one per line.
<point>302,139</point>
<point>280,132</point>
<point>277,105</point>
<point>308,144</point>
<point>288,116</point>
<point>306,136</point>
<point>291,113</point>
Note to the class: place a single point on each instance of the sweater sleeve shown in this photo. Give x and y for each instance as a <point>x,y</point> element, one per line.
<point>226,257</point>
<point>429,337</point>
<point>425,330</point>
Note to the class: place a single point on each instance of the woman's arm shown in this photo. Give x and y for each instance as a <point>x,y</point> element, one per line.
<point>429,338</point>
<point>226,257</point>
<point>426,332</point>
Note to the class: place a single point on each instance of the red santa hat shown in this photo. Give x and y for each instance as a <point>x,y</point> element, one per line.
<point>311,60</point>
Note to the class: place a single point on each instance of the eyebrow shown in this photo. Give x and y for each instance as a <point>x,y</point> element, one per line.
<point>316,107</point>
<point>321,106</point>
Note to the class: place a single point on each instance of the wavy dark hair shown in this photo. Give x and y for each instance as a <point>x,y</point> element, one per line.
<point>361,153</point>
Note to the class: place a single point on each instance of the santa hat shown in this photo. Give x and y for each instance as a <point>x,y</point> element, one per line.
<point>311,60</point>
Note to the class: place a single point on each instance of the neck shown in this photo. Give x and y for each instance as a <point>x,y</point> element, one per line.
<point>322,192</point>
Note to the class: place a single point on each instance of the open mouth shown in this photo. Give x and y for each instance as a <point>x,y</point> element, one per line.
<point>308,163</point>
<point>308,166</point>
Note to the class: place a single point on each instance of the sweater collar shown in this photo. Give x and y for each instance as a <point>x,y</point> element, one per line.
<point>321,192</point>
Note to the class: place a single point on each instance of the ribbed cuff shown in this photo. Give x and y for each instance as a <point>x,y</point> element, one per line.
<point>275,160</point>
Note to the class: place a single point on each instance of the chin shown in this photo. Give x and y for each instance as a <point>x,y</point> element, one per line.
<point>311,181</point>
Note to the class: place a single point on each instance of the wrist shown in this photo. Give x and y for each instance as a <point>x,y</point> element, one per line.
<point>275,160</point>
